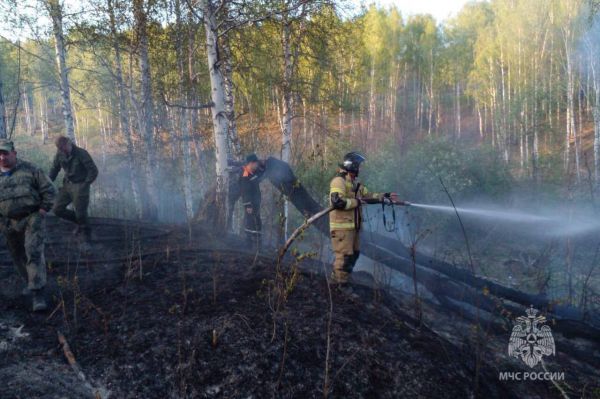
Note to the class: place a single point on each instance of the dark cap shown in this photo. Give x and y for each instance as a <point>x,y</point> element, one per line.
<point>6,145</point>
<point>251,158</point>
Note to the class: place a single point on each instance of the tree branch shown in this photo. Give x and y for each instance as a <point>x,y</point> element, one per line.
<point>14,116</point>
<point>172,105</point>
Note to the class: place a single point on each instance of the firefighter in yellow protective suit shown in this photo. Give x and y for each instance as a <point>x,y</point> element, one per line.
<point>346,195</point>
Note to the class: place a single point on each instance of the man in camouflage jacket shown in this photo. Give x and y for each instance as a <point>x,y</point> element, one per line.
<point>80,171</point>
<point>26,194</point>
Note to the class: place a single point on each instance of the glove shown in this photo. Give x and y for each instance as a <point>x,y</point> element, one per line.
<point>337,202</point>
<point>391,196</point>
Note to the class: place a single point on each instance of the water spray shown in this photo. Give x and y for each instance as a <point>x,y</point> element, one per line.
<point>512,216</point>
<point>552,222</point>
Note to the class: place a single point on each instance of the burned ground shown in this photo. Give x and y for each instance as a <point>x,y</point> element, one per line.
<point>150,314</point>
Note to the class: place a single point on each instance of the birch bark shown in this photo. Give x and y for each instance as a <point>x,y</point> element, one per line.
<point>56,15</point>
<point>218,112</point>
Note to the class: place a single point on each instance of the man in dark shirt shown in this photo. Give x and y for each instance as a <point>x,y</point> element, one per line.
<point>251,199</point>
<point>80,171</point>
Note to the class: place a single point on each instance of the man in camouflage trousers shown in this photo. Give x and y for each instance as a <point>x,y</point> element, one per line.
<point>80,171</point>
<point>347,195</point>
<point>26,194</point>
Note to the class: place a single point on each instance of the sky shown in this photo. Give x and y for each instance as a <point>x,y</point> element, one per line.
<point>440,9</point>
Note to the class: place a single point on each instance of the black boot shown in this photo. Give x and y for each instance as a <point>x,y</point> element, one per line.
<point>39,301</point>
<point>345,289</point>
<point>87,233</point>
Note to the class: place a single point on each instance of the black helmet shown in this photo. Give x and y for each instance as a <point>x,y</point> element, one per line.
<point>352,161</point>
<point>251,158</point>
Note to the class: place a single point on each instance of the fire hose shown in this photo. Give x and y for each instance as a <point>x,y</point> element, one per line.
<point>319,215</point>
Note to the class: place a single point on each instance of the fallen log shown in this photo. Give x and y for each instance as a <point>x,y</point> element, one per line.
<point>445,286</point>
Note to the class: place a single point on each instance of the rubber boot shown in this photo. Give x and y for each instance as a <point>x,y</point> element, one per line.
<point>87,233</point>
<point>345,289</point>
<point>38,301</point>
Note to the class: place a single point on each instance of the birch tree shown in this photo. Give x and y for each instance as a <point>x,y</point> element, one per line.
<point>219,115</point>
<point>185,119</point>
<point>124,121</point>
<point>292,17</point>
<point>593,70</point>
<point>235,150</point>
<point>146,108</point>
<point>55,10</point>
<point>3,121</point>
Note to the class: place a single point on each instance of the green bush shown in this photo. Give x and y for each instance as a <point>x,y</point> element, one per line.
<point>466,172</point>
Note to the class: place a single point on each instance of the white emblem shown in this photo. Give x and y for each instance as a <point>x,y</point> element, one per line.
<point>530,340</point>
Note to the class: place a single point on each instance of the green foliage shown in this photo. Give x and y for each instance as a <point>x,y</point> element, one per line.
<point>466,172</point>
<point>508,59</point>
<point>315,171</point>
<point>29,149</point>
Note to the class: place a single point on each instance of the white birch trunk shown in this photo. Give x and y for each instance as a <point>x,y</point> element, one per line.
<point>103,134</point>
<point>3,120</point>
<point>371,113</point>
<point>184,123</point>
<point>288,110</point>
<point>502,121</point>
<point>535,154</point>
<point>286,123</point>
<point>29,116</point>
<point>394,94</point>
<point>43,121</point>
<point>219,115</point>
<point>595,110</point>
<point>570,117</point>
<point>430,91</point>
<point>55,11</point>
<point>304,129</point>
<point>146,107</point>
<point>458,121</point>
<point>234,141</point>
<point>480,120</point>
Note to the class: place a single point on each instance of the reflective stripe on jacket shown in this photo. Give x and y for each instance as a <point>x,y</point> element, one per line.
<point>250,189</point>
<point>350,217</point>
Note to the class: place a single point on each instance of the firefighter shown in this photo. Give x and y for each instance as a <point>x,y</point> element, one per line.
<point>251,199</point>
<point>345,220</point>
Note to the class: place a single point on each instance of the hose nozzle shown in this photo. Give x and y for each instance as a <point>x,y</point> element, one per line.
<point>388,201</point>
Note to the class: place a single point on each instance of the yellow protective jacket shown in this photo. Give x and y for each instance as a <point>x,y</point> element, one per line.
<point>349,218</point>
